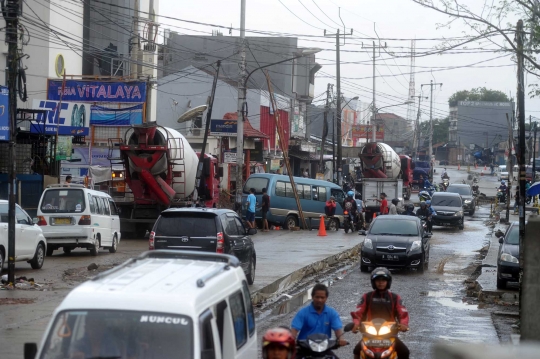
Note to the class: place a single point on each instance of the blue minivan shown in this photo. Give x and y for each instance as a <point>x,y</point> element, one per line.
<point>283,209</point>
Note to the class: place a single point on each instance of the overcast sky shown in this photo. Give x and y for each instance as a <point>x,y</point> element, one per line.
<point>394,19</point>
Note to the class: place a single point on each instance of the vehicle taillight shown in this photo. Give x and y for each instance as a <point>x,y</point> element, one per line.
<point>345,212</point>
<point>220,243</point>
<point>41,221</point>
<point>151,240</point>
<point>85,221</point>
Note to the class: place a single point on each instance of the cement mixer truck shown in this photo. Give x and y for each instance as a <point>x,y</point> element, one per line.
<point>159,167</point>
<point>383,170</point>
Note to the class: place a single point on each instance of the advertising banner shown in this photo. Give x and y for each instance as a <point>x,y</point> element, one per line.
<point>72,120</point>
<point>298,128</point>
<point>4,114</point>
<point>364,131</point>
<point>104,116</point>
<point>63,148</point>
<point>223,128</point>
<point>97,91</point>
<point>99,156</point>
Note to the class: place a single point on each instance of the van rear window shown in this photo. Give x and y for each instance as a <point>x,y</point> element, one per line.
<point>257,183</point>
<point>63,200</point>
<point>186,224</point>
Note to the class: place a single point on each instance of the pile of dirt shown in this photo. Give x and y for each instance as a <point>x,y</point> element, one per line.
<point>83,274</point>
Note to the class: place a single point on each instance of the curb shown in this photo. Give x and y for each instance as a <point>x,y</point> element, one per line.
<point>293,278</point>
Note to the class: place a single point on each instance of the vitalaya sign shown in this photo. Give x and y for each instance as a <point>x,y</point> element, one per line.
<point>97,91</point>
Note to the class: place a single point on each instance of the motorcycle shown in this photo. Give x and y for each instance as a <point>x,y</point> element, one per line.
<point>445,183</point>
<point>319,345</point>
<point>501,195</point>
<point>475,190</point>
<point>349,221</point>
<point>378,339</point>
<point>423,220</point>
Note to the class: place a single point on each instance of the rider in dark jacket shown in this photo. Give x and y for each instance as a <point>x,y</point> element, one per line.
<point>425,212</point>
<point>350,205</point>
<point>383,304</point>
<point>409,210</point>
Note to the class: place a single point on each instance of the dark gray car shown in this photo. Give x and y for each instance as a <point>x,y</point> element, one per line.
<point>465,191</point>
<point>508,258</point>
<point>448,208</point>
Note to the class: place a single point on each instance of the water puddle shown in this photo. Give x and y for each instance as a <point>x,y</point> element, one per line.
<point>448,302</point>
<point>438,293</point>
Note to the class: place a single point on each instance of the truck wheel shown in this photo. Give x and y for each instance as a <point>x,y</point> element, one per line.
<point>291,221</point>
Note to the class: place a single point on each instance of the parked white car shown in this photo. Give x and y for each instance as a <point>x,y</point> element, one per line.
<point>30,244</point>
<point>502,173</point>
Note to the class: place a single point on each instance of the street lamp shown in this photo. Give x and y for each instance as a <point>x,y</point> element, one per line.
<point>240,121</point>
<point>373,128</point>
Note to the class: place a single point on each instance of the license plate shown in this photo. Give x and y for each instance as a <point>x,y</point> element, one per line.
<point>390,257</point>
<point>378,343</point>
<point>62,221</point>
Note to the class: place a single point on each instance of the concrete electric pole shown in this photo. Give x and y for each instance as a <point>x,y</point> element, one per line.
<point>240,121</point>
<point>374,108</point>
<point>430,150</point>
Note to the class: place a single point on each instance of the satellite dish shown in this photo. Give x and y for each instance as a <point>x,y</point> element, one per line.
<point>192,113</point>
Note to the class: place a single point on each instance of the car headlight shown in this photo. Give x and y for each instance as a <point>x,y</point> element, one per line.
<point>319,347</point>
<point>467,201</point>
<point>458,214</point>
<point>371,330</point>
<point>416,245</point>
<point>384,330</point>
<point>506,257</point>
<point>368,243</point>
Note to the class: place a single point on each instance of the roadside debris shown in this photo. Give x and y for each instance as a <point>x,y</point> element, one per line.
<point>20,283</point>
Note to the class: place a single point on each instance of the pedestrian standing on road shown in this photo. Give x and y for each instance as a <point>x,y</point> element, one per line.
<point>317,318</point>
<point>516,200</point>
<point>492,168</point>
<point>250,213</point>
<point>264,209</point>
<point>384,203</point>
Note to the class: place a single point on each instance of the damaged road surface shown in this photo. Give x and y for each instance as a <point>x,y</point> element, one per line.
<point>437,300</point>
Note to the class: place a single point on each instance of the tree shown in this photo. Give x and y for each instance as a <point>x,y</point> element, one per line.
<point>440,130</point>
<point>478,94</point>
<point>490,21</point>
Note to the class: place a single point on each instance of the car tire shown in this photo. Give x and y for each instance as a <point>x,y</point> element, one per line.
<point>363,268</point>
<point>114,247</point>
<point>291,221</point>
<point>50,251</point>
<point>2,257</point>
<point>251,274</point>
<point>471,213</point>
<point>95,249</point>
<point>39,257</point>
<point>67,250</point>
<point>501,283</point>
<point>421,265</point>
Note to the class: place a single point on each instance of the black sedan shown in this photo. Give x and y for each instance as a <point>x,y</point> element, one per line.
<point>448,209</point>
<point>466,193</point>
<point>507,261</point>
<point>395,241</point>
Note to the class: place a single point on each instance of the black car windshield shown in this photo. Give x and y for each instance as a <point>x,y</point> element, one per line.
<point>63,200</point>
<point>446,201</point>
<point>175,224</point>
<point>465,191</point>
<point>119,334</point>
<point>394,227</point>
<point>513,235</point>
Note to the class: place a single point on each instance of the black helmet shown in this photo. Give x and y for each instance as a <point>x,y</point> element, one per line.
<point>395,201</point>
<point>381,272</point>
<point>423,204</point>
<point>410,207</point>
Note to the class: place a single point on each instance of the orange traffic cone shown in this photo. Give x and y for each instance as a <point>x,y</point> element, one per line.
<point>322,228</point>
<point>485,168</point>
<point>374,216</point>
<point>475,166</point>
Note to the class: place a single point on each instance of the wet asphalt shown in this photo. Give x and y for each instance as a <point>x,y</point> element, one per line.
<point>436,300</point>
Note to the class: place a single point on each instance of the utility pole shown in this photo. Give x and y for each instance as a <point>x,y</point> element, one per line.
<point>325,127</point>
<point>374,108</point>
<point>416,138</point>
<point>509,166</point>
<point>240,121</point>
<point>431,84</point>
<point>134,65</point>
<point>338,104</point>
<point>11,16</point>
<point>520,35</point>
<point>534,153</point>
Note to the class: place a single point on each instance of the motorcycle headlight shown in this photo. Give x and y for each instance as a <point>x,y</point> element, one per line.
<point>386,329</point>
<point>415,245</point>
<point>318,347</point>
<point>506,257</point>
<point>458,214</point>
<point>371,330</point>
<point>467,201</point>
<point>368,243</point>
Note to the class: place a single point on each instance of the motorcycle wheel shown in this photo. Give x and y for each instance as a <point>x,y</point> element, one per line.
<point>346,227</point>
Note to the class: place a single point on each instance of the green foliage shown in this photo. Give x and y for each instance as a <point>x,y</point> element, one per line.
<point>478,94</point>
<point>440,130</point>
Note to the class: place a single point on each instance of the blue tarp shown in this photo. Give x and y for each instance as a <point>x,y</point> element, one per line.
<point>116,117</point>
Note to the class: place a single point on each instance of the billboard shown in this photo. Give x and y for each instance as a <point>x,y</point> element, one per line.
<point>223,127</point>
<point>4,114</point>
<point>365,131</point>
<point>72,120</point>
<point>298,126</point>
<point>104,116</point>
<point>97,91</point>
<point>63,148</point>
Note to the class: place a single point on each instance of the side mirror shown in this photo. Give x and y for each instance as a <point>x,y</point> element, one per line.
<point>147,235</point>
<point>30,350</point>
<point>501,240</point>
<point>252,231</point>
<point>35,220</point>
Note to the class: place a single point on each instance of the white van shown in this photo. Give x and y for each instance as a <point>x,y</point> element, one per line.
<point>162,304</point>
<point>74,216</point>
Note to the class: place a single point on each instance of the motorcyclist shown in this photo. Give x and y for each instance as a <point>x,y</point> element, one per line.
<point>383,304</point>
<point>425,182</point>
<point>409,210</point>
<point>278,343</point>
<point>424,211</point>
<point>503,187</point>
<point>444,175</point>
<point>350,205</point>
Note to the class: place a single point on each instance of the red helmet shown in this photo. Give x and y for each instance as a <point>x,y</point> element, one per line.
<point>279,336</point>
